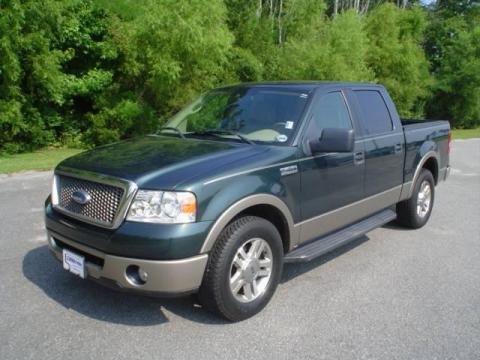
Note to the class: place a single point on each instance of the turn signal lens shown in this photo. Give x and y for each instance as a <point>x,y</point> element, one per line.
<point>189,207</point>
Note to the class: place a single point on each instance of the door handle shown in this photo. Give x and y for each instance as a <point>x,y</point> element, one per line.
<point>398,148</point>
<point>359,157</point>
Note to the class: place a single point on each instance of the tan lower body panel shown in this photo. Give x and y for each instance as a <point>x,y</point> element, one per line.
<point>172,276</point>
<point>338,218</point>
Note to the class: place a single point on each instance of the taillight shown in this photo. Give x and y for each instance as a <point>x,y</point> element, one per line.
<point>449,142</point>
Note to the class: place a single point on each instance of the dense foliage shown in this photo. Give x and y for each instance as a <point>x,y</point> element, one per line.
<point>453,47</point>
<point>89,72</point>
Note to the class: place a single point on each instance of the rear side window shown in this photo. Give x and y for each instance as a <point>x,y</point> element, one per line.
<point>330,111</point>
<point>375,112</point>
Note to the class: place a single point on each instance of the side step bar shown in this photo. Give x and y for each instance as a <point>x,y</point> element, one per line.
<point>327,243</point>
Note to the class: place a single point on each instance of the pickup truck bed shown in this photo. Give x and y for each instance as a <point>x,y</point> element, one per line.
<point>424,136</point>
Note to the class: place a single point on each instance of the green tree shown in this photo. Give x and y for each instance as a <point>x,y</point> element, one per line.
<point>337,50</point>
<point>453,48</point>
<point>54,61</point>
<point>89,72</point>
<point>397,58</point>
<point>262,28</point>
<point>170,53</point>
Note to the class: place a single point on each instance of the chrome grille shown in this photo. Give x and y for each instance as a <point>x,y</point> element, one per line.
<point>103,205</point>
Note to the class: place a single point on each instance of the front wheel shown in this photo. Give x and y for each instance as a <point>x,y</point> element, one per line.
<point>416,211</point>
<point>244,269</point>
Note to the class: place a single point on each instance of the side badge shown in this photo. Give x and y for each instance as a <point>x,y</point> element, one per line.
<point>292,169</point>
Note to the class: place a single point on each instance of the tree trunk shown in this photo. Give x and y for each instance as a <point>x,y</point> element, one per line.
<point>356,6</point>
<point>335,8</point>
<point>280,22</point>
<point>259,9</point>
<point>366,5</point>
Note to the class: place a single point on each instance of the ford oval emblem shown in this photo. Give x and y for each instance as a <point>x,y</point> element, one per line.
<point>81,197</point>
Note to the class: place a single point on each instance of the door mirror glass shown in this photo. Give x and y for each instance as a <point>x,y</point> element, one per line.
<point>333,140</point>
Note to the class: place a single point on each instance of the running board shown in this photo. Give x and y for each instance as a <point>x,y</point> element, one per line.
<point>327,243</point>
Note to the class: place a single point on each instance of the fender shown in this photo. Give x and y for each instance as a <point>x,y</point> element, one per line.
<point>425,158</point>
<point>407,189</point>
<point>245,203</point>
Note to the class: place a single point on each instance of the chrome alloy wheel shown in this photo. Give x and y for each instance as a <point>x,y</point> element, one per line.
<point>424,199</point>
<point>251,270</point>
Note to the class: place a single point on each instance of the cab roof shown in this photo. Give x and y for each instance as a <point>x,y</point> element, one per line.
<point>303,85</point>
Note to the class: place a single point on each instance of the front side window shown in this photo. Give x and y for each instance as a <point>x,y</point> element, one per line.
<point>260,114</point>
<point>330,111</point>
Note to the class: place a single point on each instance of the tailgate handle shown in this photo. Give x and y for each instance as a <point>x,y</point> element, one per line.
<point>359,158</point>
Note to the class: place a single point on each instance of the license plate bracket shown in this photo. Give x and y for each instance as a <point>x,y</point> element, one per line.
<point>74,263</point>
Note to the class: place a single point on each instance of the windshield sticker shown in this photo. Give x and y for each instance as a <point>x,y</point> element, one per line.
<point>282,138</point>
<point>303,96</point>
<point>289,125</point>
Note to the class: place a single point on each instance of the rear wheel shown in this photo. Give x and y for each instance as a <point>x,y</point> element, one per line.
<point>244,269</point>
<point>416,211</point>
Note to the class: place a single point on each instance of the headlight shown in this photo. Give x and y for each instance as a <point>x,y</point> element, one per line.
<point>166,207</point>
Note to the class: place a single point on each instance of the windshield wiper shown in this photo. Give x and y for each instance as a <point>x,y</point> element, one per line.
<point>224,132</point>
<point>174,129</point>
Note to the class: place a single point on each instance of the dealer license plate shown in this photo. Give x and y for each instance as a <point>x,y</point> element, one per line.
<point>74,263</point>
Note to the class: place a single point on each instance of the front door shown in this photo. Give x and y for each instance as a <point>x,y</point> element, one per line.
<point>330,181</point>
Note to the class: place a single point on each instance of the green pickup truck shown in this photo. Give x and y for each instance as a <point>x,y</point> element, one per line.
<point>244,179</point>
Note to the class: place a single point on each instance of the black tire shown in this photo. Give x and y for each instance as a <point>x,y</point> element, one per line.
<point>215,294</point>
<point>407,210</point>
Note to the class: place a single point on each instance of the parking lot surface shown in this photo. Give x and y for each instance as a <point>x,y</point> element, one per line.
<point>393,294</point>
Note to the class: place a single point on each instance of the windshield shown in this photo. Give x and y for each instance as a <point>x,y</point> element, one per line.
<point>260,114</point>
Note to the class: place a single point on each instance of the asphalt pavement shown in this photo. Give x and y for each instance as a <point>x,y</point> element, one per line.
<point>393,294</point>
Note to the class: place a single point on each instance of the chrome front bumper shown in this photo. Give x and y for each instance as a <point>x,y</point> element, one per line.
<point>164,277</point>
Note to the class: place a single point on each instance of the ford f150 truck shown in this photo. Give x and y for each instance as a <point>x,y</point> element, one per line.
<point>241,181</point>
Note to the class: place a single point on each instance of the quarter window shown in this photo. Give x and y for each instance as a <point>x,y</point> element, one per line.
<point>376,118</point>
<point>330,111</point>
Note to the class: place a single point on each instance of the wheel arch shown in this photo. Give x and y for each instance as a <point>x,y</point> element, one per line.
<point>430,162</point>
<point>266,206</point>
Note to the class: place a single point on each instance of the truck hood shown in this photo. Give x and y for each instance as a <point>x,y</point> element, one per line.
<point>160,161</point>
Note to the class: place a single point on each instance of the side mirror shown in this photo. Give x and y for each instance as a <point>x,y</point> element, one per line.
<point>333,140</point>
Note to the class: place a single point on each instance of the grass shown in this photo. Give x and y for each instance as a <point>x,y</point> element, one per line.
<point>39,160</point>
<point>466,133</point>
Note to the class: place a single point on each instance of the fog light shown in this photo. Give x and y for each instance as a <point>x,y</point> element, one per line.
<point>143,275</point>
<point>136,275</point>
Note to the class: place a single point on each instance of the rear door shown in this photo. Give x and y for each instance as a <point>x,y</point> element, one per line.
<point>383,140</point>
